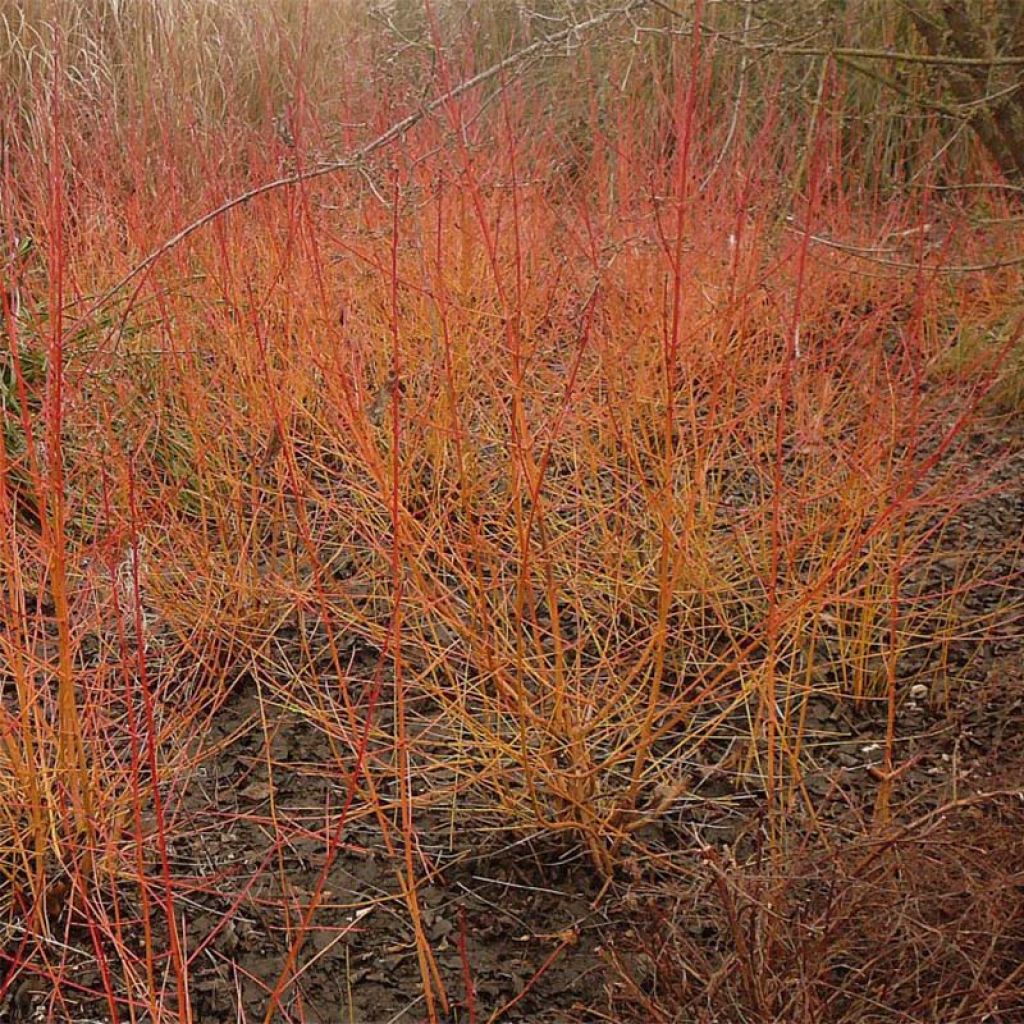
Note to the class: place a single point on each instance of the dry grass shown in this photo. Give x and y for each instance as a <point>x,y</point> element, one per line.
<point>910,926</point>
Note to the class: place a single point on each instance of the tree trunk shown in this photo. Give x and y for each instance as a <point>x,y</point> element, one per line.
<point>996,106</point>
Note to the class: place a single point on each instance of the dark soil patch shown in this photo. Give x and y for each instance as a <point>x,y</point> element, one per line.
<point>512,908</point>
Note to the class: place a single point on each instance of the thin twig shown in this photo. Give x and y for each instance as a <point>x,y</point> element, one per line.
<point>871,256</point>
<point>737,102</point>
<point>904,57</point>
